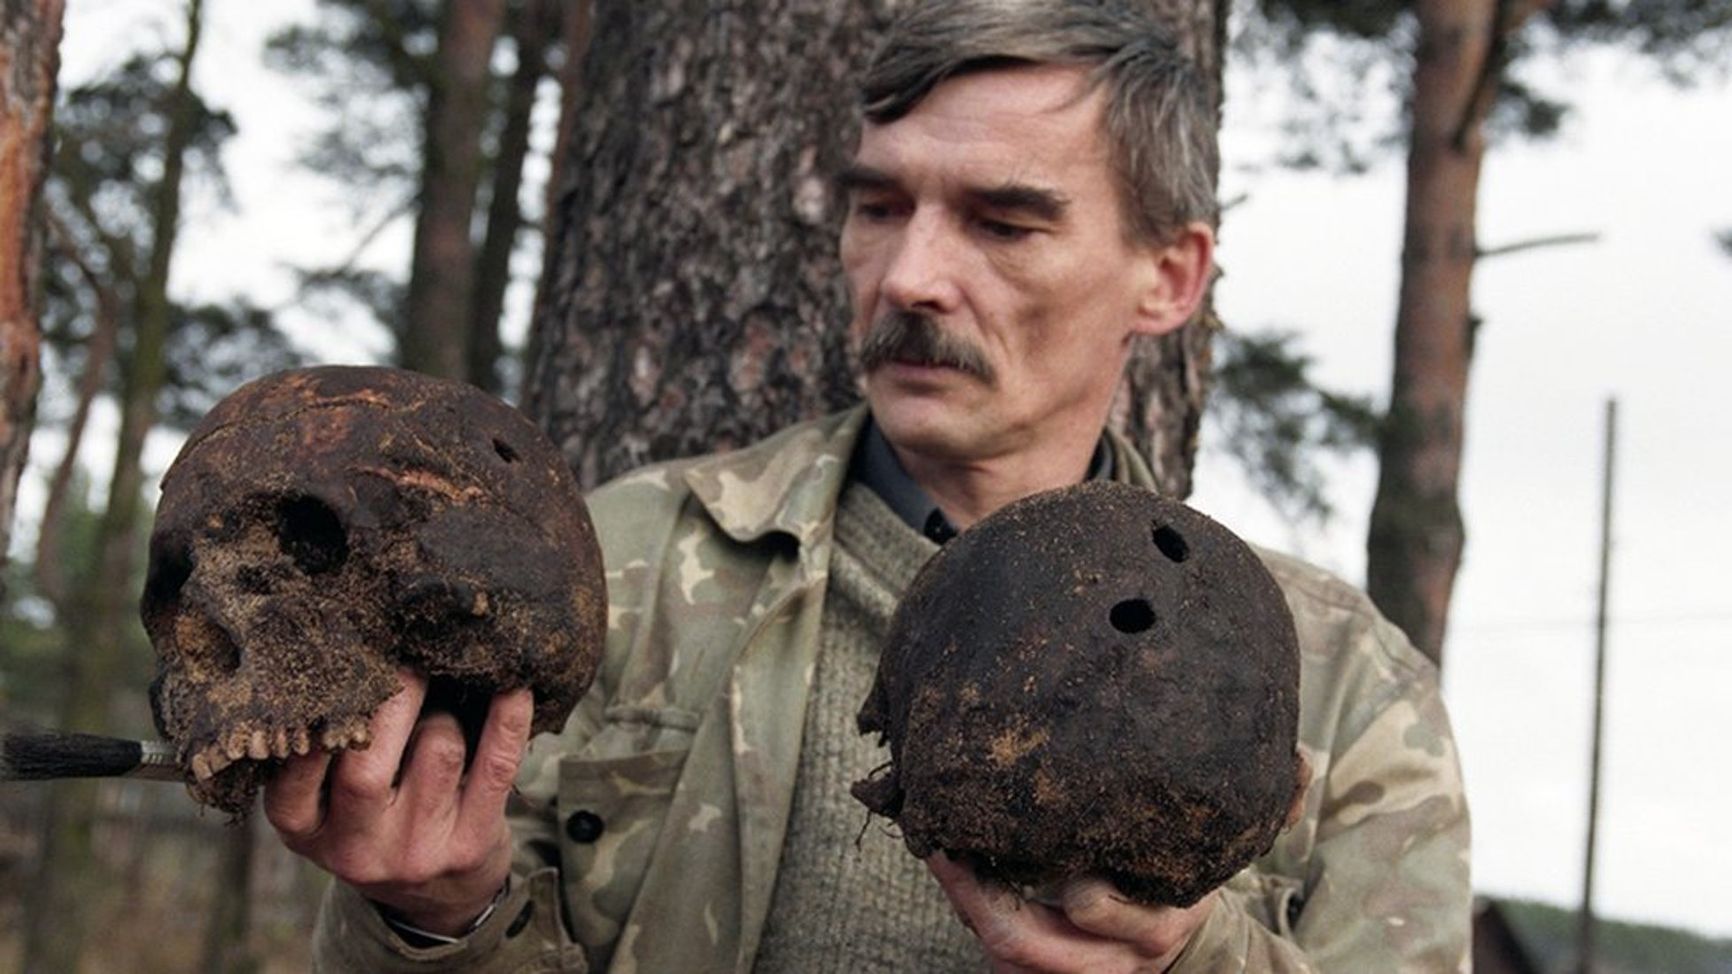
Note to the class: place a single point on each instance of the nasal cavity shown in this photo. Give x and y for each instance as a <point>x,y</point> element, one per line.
<point>311,534</point>
<point>1132,616</point>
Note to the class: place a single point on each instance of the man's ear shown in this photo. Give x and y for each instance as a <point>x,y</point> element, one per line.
<point>1179,272</point>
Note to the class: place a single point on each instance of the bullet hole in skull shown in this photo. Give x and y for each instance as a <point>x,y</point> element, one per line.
<point>1057,703</point>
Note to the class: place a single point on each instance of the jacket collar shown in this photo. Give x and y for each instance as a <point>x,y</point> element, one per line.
<point>790,481</point>
<point>787,483</point>
<point>1129,467</point>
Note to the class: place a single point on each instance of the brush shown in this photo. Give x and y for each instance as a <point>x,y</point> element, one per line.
<point>43,756</point>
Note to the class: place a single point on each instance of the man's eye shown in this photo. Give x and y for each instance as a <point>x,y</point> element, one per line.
<point>1000,230</point>
<point>873,210</point>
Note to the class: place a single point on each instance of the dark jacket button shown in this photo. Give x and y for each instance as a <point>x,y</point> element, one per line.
<point>584,826</point>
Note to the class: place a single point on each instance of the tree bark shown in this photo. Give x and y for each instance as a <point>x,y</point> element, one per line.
<point>574,41</point>
<point>534,23</point>
<point>692,297</point>
<point>67,868</point>
<point>1417,536</point>
<point>442,270</point>
<point>29,60</point>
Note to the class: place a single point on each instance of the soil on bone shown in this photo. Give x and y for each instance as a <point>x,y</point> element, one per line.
<point>1092,681</point>
<point>322,527</point>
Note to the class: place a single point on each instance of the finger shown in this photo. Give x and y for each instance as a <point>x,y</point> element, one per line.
<point>364,781</point>
<point>1019,934</point>
<point>498,755</point>
<point>1099,907</point>
<point>294,797</point>
<point>432,768</point>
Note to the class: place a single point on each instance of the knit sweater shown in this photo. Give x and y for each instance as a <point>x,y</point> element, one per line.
<point>849,898</point>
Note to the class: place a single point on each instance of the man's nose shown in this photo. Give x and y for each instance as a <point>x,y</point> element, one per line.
<point>921,273</point>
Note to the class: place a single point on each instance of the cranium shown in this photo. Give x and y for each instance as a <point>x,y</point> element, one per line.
<point>1094,680</point>
<point>321,528</point>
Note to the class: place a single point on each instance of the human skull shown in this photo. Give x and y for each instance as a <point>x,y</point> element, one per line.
<point>322,527</point>
<point>1092,681</point>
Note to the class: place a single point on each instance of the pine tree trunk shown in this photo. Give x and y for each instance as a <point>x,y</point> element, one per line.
<point>692,298</point>
<point>1417,536</point>
<point>68,870</point>
<point>535,22</point>
<point>442,270</point>
<point>574,31</point>
<point>29,60</point>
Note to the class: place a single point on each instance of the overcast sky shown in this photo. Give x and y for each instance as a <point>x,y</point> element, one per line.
<point>1641,315</point>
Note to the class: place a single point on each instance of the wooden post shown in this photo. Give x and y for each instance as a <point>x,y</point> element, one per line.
<point>1585,929</point>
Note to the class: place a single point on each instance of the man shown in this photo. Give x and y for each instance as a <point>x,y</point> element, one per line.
<point>1031,193</point>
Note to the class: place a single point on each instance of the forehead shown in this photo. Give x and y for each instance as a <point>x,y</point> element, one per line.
<point>1033,123</point>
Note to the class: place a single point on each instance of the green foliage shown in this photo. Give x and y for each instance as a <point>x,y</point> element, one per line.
<point>36,637</point>
<point>1274,419</point>
<point>1549,933</point>
<point>332,292</point>
<point>214,348</point>
<point>373,64</point>
<point>109,153</point>
<point>1683,36</point>
<point>1304,48</point>
<point>31,649</point>
<point>1293,20</point>
<point>110,136</point>
<point>369,63</point>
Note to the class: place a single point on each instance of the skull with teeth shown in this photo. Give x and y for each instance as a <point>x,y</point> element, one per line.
<point>323,527</point>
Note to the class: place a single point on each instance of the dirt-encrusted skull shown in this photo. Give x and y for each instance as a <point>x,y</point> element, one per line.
<point>1094,680</point>
<point>322,527</point>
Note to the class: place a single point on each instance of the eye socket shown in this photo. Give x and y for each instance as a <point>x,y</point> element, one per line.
<point>311,534</point>
<point>1132,616</point>
<point>1171,543</point>
<point>505,451</point>
<point>170,567</point>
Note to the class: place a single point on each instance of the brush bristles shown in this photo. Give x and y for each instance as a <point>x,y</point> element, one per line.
<point>38,757</point>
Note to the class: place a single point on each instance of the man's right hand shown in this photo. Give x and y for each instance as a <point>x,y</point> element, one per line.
<point>402,821</point>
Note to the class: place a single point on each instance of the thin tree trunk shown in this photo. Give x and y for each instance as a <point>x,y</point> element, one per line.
<point>1417,536</point>
<point>52,582</point>
<point>146,366</point>
<point>442,271</point>
<point>574,39</point>
<point>535,23</point>
<point>29,60</point>
<point>227,949</point>
<point>67,870</point>
<point>692,299</point>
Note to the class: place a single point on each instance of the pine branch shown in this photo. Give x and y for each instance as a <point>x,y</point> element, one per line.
<point>1536,243</point>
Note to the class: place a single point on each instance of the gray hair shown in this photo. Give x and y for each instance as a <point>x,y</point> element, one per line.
<point>1158,120</point>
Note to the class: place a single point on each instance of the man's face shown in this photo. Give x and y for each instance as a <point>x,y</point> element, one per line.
<point>994,289</point>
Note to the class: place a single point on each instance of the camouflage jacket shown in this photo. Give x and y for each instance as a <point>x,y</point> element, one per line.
<point>650,829</point>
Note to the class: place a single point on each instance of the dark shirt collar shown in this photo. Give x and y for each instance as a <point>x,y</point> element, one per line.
<point>876,466</point>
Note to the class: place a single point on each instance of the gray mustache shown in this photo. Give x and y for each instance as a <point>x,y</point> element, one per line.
<point>907,336</point>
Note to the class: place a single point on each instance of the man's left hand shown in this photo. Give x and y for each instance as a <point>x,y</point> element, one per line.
<point>1094,929</point>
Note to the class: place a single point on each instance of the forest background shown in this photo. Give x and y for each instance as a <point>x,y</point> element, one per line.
<point>290,259</point>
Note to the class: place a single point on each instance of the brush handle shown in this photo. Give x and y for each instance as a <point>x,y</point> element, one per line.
<point>46,756</point>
